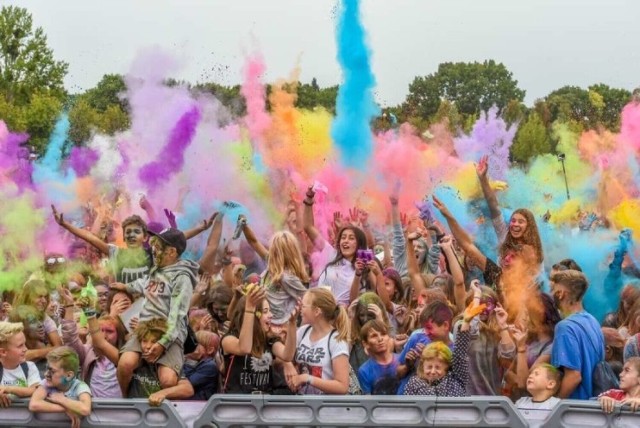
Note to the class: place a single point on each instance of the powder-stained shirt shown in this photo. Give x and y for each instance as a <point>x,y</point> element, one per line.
<point>129,264</point>
<point>168,292</point>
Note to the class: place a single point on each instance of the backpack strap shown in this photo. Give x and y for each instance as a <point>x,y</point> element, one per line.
<point>25,369</point>
<point>226,380</point>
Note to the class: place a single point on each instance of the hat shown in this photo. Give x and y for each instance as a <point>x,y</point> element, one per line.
<point>172,238</point>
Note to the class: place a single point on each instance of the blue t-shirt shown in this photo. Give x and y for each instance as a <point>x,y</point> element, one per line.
<point>379,379</point>
<point>573,349</point>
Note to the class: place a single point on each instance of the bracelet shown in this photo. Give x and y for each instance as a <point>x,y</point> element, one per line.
<point>358,274</point>
<point>250,312</point>
<point>522,351</point>
<point>70,306</point>
<point>94,331</point>
<point>309,380</point>
<point>307,203</point>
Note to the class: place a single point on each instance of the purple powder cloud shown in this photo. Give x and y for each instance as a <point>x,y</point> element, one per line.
<point>171,158</point>
<point>82,159</point>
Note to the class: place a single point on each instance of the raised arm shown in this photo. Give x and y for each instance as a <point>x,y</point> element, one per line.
<point>462,237</point>
<point>243,345</point>
<point>412,264</point>
<point>459,291</point>
<point>208,259</point>
<point>308,221</point>
<point>195,231</point>
<point>400,256</point>
<point>251,238</point>
<point>85,235</point>
<point>490,196</point>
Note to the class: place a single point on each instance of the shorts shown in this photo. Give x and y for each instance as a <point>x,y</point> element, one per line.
<point>173,357</point>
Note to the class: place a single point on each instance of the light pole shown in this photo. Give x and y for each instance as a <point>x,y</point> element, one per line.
<point>561,157</point>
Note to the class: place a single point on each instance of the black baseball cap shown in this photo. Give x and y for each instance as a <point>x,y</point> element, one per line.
<point>172,238</point>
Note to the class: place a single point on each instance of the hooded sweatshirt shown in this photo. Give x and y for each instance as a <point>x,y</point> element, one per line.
<point>168,293</point>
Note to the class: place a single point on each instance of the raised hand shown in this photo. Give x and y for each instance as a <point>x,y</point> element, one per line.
<point>482,166</point>
<point>441,207</point>
<point>58,217</point>
<point>171,217</point>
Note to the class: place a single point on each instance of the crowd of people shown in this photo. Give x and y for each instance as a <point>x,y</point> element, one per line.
<point>418,309</point>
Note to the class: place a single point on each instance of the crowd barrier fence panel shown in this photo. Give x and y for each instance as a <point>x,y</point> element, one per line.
<point>230,411</point>
<point>104,413</point>
<point>587,414</point>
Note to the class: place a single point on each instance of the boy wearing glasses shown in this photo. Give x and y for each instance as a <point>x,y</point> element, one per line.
<point>167,291</point>
<point>62,391</point>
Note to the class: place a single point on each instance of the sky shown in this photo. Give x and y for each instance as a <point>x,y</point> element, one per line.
<point>546,44</point>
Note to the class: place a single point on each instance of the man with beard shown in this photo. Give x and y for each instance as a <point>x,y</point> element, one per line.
<point>578,344</point>
<point>167,290</point>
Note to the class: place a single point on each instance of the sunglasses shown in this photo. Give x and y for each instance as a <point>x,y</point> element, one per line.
<point>55,260</point>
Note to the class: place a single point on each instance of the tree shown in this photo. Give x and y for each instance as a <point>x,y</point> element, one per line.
<point>472,87</point>
<point>27,65</point>
<point>311,96</point>
<point>109,91</point>
<point>531,139</point>
<point>614,100</point>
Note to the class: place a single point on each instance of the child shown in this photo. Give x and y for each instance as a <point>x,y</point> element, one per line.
<point>377,375</point>
<point>629,392</point>
<point>436,322</point>
<point>438,372</point>
<point>201,368</point>
<point>62,391</point>
<point>543,383</point>
<point>145,382</point>
<point>18,378</point>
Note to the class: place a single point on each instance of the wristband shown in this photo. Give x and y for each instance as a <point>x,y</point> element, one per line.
<point>94,331</point>
<point>439,236</point>
<point>521,351</point>
<point>69,306</point>
<point>309,380</point>
<point>307,203</point>
<point>250,312</point>
<point>90,312</point>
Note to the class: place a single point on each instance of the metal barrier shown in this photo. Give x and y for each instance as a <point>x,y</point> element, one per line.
<point>104,413</point>
<point>586,414</point>
<point>224,411</point>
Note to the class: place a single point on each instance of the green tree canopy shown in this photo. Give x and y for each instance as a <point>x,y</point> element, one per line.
<point>531,139</point>
<point>472,87</point>
<point>27,64</point>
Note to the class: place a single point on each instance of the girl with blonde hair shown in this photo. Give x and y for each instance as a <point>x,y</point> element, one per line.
<point>323,346</point>
<point>285,279</point>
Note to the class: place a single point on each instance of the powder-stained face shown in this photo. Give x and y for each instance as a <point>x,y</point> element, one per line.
<point>134,236</point>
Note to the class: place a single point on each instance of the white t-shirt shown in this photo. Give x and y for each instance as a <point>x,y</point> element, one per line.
<point>16,377</point>
<point>313,357</point>
<point>536,411</point>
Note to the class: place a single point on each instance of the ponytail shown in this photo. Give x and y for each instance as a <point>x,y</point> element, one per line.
<point>336,315</point>
<point>341,323</point>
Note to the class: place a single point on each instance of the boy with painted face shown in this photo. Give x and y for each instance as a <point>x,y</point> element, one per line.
<point>19,378</point>
<point>62,391</point>
<point>128,264</point>
<point>441,372</point>
<point>436,325</point>
<point>167,291</point>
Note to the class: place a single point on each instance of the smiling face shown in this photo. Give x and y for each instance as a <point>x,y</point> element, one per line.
<point>134,235</point>
<point>437,332</point>
<point>15,350</point>
<point>103,297</point>
<point>265,317</point>
<point>348,244</point>
<point>390,286</point>
<point>434,369</point>
<point>517,225</point>
<point>162,254</point>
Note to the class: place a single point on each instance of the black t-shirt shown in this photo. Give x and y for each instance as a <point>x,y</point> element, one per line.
<point>248,374</point>
<point>144,381</point>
